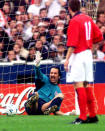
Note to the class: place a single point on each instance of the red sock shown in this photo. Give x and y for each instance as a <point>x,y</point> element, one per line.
<point>91,102</point>
<point>32,1</point>
<point>82,100</point>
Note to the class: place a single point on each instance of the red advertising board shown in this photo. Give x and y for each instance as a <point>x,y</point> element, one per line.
<point>18,93</point>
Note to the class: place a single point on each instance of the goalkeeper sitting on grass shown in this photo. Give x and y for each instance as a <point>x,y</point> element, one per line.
<point>47,97</point>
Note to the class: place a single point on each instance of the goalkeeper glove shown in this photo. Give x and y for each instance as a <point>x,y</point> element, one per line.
<point>38,58</point>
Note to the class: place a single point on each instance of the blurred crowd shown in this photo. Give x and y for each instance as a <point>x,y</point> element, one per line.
<point>27,26</point>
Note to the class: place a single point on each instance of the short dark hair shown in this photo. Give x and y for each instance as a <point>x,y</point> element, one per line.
<point>74,5</point>
<point>99,13</point>
<point>56,67</point>
<point>43,9</point>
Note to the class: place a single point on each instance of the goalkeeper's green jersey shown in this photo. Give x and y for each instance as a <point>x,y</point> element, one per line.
<point>49,90</point>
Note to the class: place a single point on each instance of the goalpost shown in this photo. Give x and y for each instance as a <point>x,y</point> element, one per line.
<point>91,7</point>
<point>17,78</point>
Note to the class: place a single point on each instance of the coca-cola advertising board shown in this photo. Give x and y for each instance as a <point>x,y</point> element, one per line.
<point>18,94</point>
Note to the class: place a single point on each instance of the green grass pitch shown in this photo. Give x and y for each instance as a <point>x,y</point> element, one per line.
<point>47,123</point>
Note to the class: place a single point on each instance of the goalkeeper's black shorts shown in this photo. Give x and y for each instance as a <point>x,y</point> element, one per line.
<point>32,111</point>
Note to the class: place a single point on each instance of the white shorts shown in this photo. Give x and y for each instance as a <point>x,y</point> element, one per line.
<point>80,67</point>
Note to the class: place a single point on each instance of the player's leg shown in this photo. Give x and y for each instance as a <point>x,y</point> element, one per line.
<point>53,105</point>
<point>82,101</point>
<point>91,100</point>
<point>31,105</point>
<point>78,77</point>
<point>91,104</point>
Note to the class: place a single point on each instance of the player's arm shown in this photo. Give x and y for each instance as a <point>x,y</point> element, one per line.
<point>69,53</point>
<point>73,39</point>
<point>38,73</point>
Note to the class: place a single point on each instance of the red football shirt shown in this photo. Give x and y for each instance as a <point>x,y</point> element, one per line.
<point>82,33</point>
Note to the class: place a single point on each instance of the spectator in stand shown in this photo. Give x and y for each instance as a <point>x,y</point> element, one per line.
<point>101,17</point>
<point>83,10</point>
<point>13,34</point>
<point>27,3</point>
<point>54,7</point>
<point>10,57</point>
<point>1,3</point>
<point>60,23</point>
<point>47,22</point>
<point>68,18</point>
<point>61,52</point>
<point>18,16</point>
<point>27,33</point>
<point>43,13</point>
<point>17,50</point>
<point>23,52</point>
<point>102,28</point>
<point>1,51</point>
<point>20,42</point>
<point>21,9</point>
<point>64,20</point>
<point>1,56</point>
<point>60,31</point>
<point>31,56</point>
<point>45,42</point>
<point>3,35</point>
<point>1,46</point>
<point>35,36</point>
<point>63,15</point>
<point>7,11</point>
<point>12,31</point>
<point>50,34</point>
<point>39,47</point>
<point>12,39</point>
<point>32,41</point>
<point>25,18</point>
<point>34,9</point>
<point>102,43</point>
<point>99,23</point>
<point>103,47</point>
<point>35,20</point>
<point>20,28</point>
<point>42,28</point>
<point>18,3</point>
<point>52,54</point>
<point>97,53</point>
<point>11,25</point>
<point>34,28</point>
<point>3,21</point>
<point>55,19</point>
<point>55,42</point>
<point>5,39</point>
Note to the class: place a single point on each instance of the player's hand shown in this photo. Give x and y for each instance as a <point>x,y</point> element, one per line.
<point>66,65</point>
<point>38,58</point>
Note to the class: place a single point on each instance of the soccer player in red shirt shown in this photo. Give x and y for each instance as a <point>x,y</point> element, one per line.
<point>82,34</point>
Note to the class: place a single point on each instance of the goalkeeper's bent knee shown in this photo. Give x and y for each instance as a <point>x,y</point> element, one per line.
<point>57,101</point>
